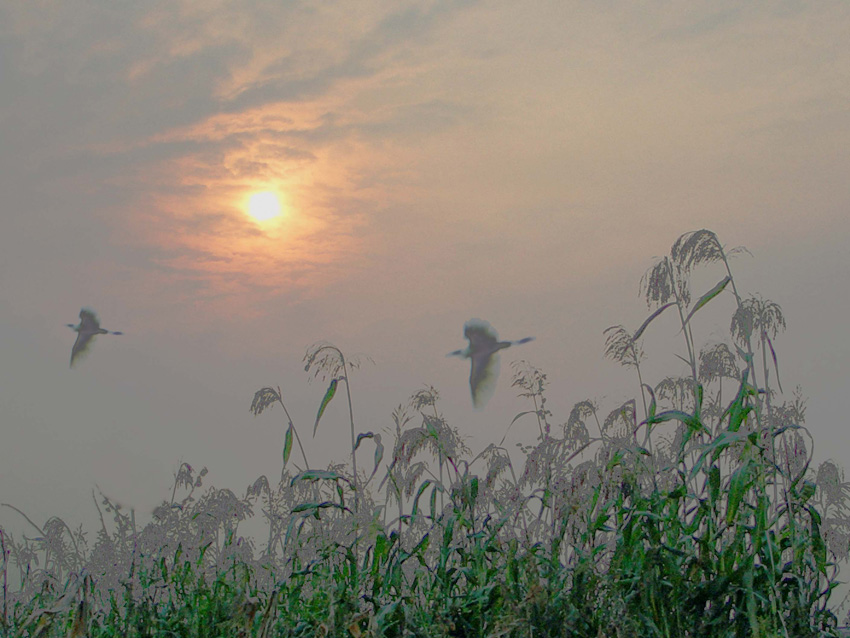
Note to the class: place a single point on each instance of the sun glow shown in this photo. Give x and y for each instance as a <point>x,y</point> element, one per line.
<point>263,206</point>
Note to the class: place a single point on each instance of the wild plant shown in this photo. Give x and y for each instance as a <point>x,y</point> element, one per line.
<point>333,364</point>
<point>265,398</point>
<point>702,515</point>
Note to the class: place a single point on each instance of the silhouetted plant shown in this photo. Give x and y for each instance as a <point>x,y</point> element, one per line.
<point>704,518</point>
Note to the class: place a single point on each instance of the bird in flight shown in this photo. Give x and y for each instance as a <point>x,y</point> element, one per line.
<point>483,349</point>
<point>87,329</point>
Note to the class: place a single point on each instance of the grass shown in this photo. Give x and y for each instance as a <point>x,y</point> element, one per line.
<point>703,518</point>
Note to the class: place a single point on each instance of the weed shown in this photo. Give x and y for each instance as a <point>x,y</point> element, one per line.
<point>693,510</point>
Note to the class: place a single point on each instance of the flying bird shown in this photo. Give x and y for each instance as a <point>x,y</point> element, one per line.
<point>483,349</point>
<point>87,329</point>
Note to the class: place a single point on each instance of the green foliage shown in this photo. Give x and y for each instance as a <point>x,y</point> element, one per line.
<point>712,525</point>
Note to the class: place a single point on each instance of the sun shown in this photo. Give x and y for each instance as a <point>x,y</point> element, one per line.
<point>263,206</point>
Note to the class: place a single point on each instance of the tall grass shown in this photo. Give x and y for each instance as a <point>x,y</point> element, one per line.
<point>699,516</point>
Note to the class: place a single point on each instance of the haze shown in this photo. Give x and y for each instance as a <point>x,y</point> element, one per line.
<point>436,161</point>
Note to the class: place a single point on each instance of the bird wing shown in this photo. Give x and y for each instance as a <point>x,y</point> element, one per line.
<point>81,346</point>
<point>88,321</point>
<point>482,378</point>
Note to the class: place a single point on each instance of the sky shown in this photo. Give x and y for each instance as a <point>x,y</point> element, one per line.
<point>522,163</point>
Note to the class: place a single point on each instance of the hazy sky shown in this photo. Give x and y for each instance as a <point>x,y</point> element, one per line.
<point>436,161</point>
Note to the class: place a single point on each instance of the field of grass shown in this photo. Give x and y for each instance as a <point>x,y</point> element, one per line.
<point>691,510</point>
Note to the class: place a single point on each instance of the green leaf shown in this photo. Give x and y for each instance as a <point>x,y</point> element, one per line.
<point>379,449</point>
<point>419,492</point>
<point>775,362</point>
<point>361,436</point>
<point>328,396</point>
<point>314,508</point>
<point>382,546</point>
<point>737,411</point>
<point>379,454</point>
<point>714,483</point>
<point>715,447</point>
<point>711,294</point>
<point>471,492</point>
<point>653,406</point>
<point>698,398</point>
<point>740,482</point>
<point>300,520</point>
<point>422,545</point>
<point>433,503</point>
<point>818,544</point>
<point>640,330</point>
<point>616,458</point>
<point>691,420</point>
<point>800,475</point>
<point>315,475</point>
<point>807,491</point>
<point>599,523</point>
<point>287,445</point>
<point>693,423</point>
<point>448,534</point>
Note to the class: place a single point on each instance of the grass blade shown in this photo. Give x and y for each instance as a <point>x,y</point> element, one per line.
<point>327,399</point>
<point>287,445</point>
<point>651,317</point>
<point>711,294</point>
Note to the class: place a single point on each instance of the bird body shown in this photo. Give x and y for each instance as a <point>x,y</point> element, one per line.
<point>88,327</point>
<point>483,351</point>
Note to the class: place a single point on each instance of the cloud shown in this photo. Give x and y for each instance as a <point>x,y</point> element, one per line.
<point>181,109</point>
<point>390,129</point>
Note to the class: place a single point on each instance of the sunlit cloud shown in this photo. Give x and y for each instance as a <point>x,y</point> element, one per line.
<point>388,130</point>
<point>229,110</point>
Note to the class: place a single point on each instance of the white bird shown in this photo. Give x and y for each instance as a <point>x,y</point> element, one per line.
<point>483,349</point>
<point>87,329</point>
